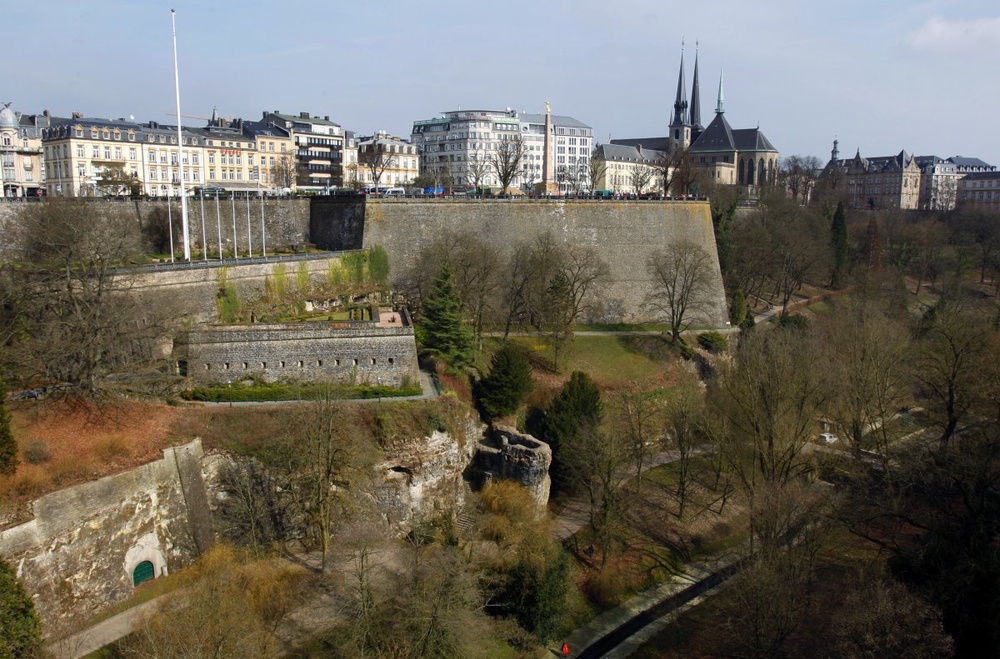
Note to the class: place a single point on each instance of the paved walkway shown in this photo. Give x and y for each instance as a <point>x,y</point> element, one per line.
<point>103,633</point>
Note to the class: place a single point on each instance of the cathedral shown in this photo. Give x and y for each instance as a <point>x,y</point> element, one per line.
<point>724,155</point>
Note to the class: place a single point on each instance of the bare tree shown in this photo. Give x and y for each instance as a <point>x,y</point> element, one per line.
<point>798,175</point>
<point>597,168</point>
<point>72,301</point>
<point>283,173</point>
<point>640,177</point>
<point>477,168</point>
<point>681,277</point>
<point>376,156</point>
<point>506,160</point>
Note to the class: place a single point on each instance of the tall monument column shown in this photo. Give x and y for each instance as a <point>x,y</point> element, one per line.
<point>549,184</point>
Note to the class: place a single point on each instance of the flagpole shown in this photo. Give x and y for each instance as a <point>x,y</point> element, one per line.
<point>180,145</point>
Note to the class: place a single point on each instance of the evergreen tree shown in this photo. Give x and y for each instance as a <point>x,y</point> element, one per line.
<point>509,381</point>
<point>443,335</point>
<point>840,247</point>
<point>8,445</point>
<point>576,410</point>
<point>20,629</point>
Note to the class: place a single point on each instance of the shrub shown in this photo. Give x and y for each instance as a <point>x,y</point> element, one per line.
<point>714,342</point>
<point>37,452</point>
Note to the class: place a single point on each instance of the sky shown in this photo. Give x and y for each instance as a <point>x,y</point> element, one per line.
<point>878,75</point>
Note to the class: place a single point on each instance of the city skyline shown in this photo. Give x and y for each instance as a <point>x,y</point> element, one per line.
<point>879,78</point>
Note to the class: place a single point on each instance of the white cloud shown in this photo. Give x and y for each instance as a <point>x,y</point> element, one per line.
<point>939,33</point>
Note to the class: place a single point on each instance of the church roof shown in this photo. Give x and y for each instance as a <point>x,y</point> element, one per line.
<point>717,137</point>
<point>751,139</point>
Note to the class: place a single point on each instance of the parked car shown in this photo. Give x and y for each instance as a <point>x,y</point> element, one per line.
<point>828,438</point>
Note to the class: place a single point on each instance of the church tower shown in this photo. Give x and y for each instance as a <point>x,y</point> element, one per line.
<point>696,126</point>
<point>680,127</point>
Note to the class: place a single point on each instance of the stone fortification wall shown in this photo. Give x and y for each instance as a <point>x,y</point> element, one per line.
<point>77,555</point>
<point>624,232</point>
<point>361,353</point>
<point>510,455</point>
<point>194,289</point>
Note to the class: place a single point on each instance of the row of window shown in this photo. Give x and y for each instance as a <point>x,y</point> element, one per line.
<point>301,363</point>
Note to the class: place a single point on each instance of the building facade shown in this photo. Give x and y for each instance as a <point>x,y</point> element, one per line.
<point>392,160</point>
<point>457,149</point>
<point>21,160</point>
<point>630,170</point>
<point>979,191</point>
<point>319,149</point>
<point>882,182</point>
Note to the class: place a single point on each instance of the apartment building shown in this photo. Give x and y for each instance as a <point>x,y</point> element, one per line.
<point>457,148</point>
<point>318,149</point>
<point>21,161</point>
<point>393,160</point>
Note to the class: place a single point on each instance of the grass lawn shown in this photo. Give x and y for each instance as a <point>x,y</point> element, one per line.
<point>609,360</point>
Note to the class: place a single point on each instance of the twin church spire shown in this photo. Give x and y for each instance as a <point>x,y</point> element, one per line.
<point>690,115</point>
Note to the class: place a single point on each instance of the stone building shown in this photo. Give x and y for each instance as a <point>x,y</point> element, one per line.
<point>881,182</point>
<point>720,153</point>
<point>630,170</point>
<point>379,352</point>
<point>21,152</point>
<point>979,191</point>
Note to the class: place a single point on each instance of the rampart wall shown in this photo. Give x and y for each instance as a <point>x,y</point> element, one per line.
<point>361,353</point>
<point>625,233</point>
<point>77,555</point>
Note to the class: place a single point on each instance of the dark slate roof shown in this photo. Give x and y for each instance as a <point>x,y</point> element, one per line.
<point>622,153</point>
<point>557,120</point>
<point>969,162</point>
<point>751,139</point>
<point>294,118</point>
<point>982,176</point>
<point>659,143</point>
<point>874,164</point>
<point>717,137</point>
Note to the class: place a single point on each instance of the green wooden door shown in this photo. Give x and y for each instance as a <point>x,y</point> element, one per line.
<point>143,572</point>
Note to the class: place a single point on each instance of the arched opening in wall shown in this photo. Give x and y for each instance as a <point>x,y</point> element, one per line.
<point>392,361</point>
<point>373,361</point>
<point>749,179</point>
<point>760,172</point>
<point>742,171</point>
<point>182,368</point>
<point>143,572</point>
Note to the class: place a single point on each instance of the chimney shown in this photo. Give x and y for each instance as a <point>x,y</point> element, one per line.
<point>303,115</point>
<point>46,113</point>
<point>327,117</point>
<point>78,115</point>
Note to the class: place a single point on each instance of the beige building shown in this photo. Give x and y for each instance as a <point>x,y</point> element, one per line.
<point>979,191</point>
<point>393,160</point>
<point>629,170</point>
<point>877,183</point>
<point>21,153</point>
<point>88,157</point>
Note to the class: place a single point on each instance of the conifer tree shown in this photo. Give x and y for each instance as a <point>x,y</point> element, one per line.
<point>8,445</point>
<point>575,410</point>
<point>509,381</point>
<point>20,629</point>
<point>443,335</point>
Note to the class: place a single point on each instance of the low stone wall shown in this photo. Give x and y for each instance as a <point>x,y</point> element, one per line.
<point>356,353</point>
<point>77,555</point>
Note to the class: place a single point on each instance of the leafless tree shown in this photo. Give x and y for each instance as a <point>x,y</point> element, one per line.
<point>798,175</point>
<point>284,172</point>
<point>506,160</point>
<point>72,300</point>
<point>477,168</point>
<point>640,177</point>
<point>597,168</point>
<point>376,157</point>
<point>682,279</point>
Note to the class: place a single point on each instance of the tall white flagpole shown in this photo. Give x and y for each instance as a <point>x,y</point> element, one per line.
<point>180,146</point>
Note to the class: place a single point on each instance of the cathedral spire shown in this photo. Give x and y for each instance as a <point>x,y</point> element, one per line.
<point>681,104</point>
<point>720,107</point>
<point>696,95</point>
